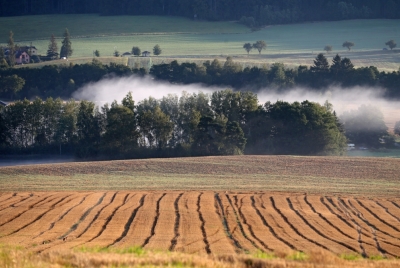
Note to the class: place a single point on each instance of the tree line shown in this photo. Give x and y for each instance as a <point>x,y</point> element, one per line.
<point>250,12</point>
<point>61,81</point>
<point>223,123</point>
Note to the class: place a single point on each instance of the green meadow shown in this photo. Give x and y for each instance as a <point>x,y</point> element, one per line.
<point>184,38</point>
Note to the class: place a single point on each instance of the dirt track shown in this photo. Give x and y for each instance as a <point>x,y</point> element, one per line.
<point>202,222</point>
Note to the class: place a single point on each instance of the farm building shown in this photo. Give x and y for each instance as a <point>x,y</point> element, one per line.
<point>21,57</point>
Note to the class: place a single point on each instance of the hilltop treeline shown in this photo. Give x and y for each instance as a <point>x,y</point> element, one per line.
<point>61,81</point>
<point>225,123</point>
<point>252,12</point>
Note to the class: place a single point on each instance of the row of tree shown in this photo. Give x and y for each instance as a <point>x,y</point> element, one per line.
<point>224,123</point>
<point>252,12</point>
<point>62,81</point>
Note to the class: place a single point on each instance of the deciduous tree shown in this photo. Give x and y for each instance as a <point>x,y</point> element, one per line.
<point>348,44</point>
<point>328,48</point>
<point>157,50</point>
<point>260,45</point>
<point>392,44</point>
<point>248,47</point>
<point>136,51</point>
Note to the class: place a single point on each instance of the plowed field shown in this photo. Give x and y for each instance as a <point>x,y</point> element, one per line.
<point>215,222</point>
<point>206,205</point>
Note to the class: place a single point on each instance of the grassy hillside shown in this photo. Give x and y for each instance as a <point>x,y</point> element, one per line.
<point>364,176</point>
<point>183,38</point>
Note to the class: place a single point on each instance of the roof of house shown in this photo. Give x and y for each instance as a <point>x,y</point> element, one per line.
<point>3,103</point>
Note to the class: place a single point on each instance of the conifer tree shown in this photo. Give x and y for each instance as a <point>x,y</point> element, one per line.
<point>66,48</point>
<point>52,52</point>
<point>11,50</point>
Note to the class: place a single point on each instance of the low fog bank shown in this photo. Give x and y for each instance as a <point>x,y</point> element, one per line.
<point>343,99</point>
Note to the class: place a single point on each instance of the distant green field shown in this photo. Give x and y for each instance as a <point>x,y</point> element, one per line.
<point>181,37</point>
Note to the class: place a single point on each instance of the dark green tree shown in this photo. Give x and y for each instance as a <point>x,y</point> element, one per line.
<point>392,44</point>
<point>11,50</point>
<point>116,53</point>
<point>97,53</point>
<point>3,60</point>
<point>248,47</point>
<point>11,84</point>
<point>66,48</point>
<point>321,64</point>
<point>260,45</point>
<point>348,44</point>
<point>52,51</point>
<point>136,51</point>
<point>157,50</point>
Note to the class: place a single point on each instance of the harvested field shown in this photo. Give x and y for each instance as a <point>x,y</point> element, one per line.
<point>322,175</point>
<point>213,222</point>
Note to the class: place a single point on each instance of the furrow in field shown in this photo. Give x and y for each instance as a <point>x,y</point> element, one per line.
<point>164,229</point>
<point>28,218</point>
<point>395,204</point>
<point>104,216</point>
<point>371,221</point>
<point>346,226</point>
<point>257,242</point>
<point>270,225</point>
<point>281,205</point>
<point>322,226</point>
<point>6,196</point>
<point>261,228</point>
<point>69,222</point>
<point>190,239</point>
<point>177,222</point>
<point>154,225</point>
<point>389,208</point>
<point>377,218</point>
<point>330,242</point>
<point>26,232</point>
<point>225,223</point>
<point>212,227</point>
<point>383,246</point>
<point>202,227</point>
<point>71,206</point>
<point>14,200</point>
<point>109,218</point>
<point>141,226</point>
<point>12,213</point>
<point>236,228</point>
<point>284,228</point>
<point>128,223</point>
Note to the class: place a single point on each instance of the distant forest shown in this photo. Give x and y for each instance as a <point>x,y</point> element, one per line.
<point>251,12</point>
